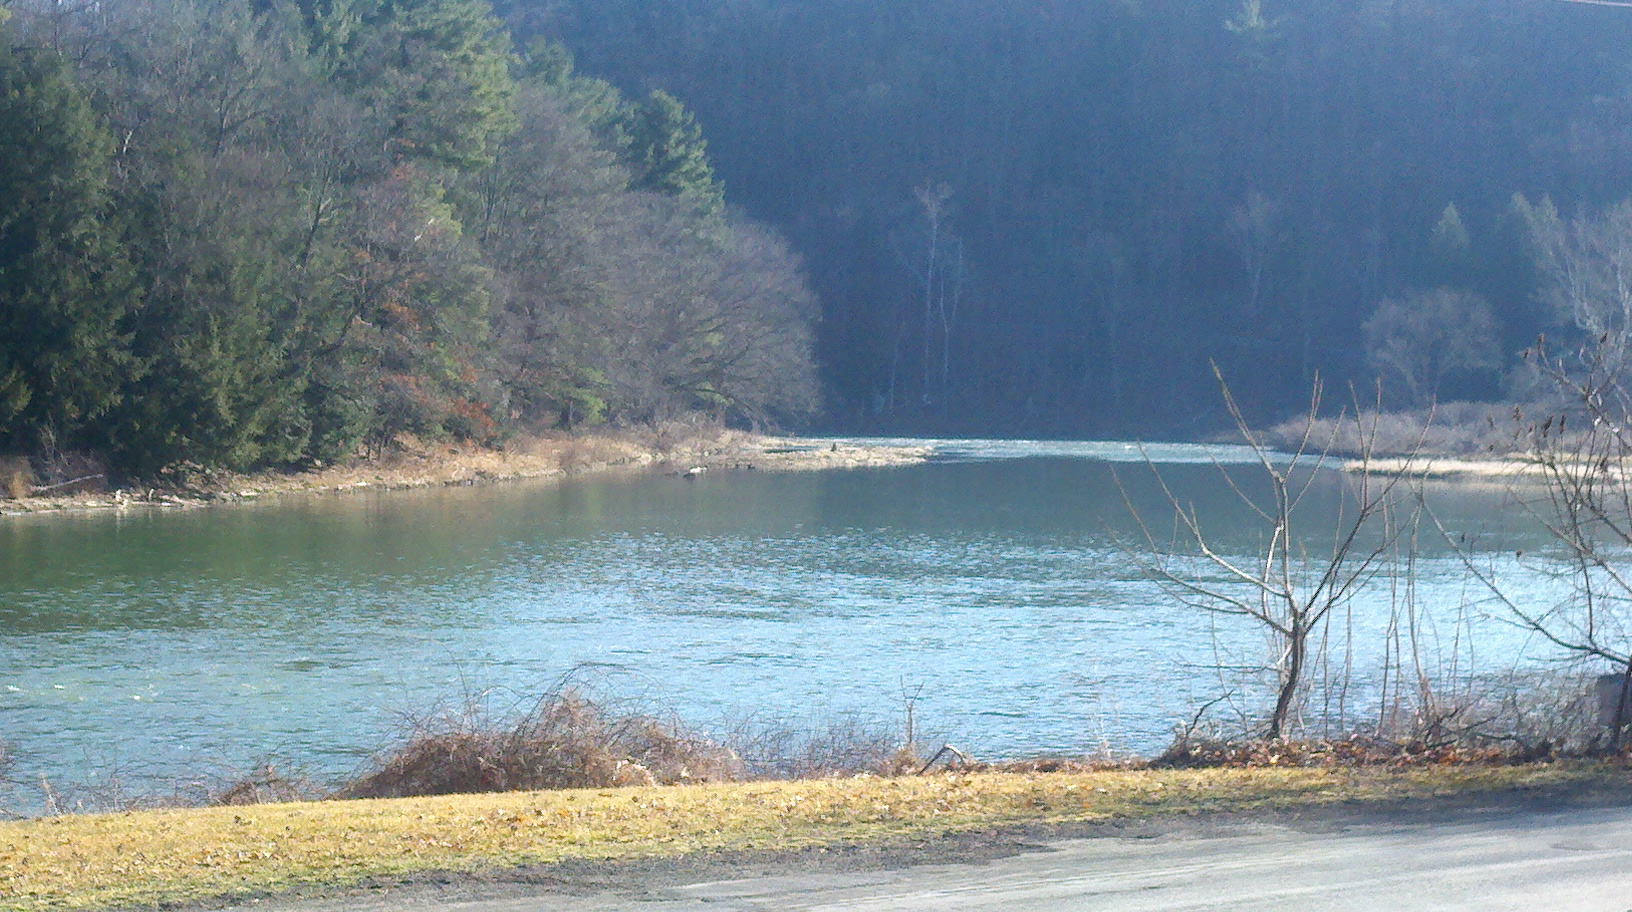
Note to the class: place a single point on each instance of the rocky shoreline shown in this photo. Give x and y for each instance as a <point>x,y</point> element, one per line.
<point>419,465</point>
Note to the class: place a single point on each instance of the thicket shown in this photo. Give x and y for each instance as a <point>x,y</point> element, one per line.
<point>239,234</point>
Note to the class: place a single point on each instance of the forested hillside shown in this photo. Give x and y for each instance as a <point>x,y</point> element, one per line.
<point>1046,216</point>
<point>247,232</point>
<point>239,234</point>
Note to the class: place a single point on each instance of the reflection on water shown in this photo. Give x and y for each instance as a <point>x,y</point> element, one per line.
<point>999,579</point>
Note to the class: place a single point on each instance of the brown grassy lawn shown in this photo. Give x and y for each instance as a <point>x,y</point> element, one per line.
<point>147,858</point>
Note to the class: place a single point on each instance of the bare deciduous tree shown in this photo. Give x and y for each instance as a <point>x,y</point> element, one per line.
<point>1307,566</point>
<point>1424,338</point>
<point>1583,451</point>
<point>1586,271</point>
<point>1254,231</point>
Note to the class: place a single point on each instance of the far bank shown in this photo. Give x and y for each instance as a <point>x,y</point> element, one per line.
<point>414,465</point>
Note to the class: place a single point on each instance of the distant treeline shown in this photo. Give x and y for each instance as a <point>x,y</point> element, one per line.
<point>1046,216</point>
<point>240,233</point>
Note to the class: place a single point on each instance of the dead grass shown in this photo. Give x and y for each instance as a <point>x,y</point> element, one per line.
<point>1451,429</point>
<point>571,454</point>
<point>16,477</point>
<point>163,857</point>
<point>1353,752</point>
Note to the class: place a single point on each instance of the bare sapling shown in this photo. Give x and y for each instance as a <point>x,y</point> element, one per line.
<point>1582,450</point>
<point>1309,563</point>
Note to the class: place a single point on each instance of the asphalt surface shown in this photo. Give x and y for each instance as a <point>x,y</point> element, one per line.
<point>1553,862</point>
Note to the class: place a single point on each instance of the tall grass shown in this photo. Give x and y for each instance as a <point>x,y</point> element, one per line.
<point>842,745</point>
<point>1448,429</point>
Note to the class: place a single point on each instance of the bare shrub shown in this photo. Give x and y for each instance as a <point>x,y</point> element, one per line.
<point>679,436</point>
<point>565,740</point>
<point>1534,715</point>
<point>1513,718</point>
<point>1446,429</point>
<point>266,784</point>
<point>67,472</point>
<point>844,745</point>
<point>120,789</point>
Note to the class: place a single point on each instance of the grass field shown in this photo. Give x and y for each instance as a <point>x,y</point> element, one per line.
<point>173,856</point>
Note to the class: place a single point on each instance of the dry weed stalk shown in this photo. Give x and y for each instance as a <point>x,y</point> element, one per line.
<point>1583,450</point>
<point>266,784</point>
<point>843,745</point>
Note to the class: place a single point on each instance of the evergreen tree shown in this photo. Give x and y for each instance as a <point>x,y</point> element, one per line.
<point>668,154</point>
<point>216,391</point>
<point>440,71</point>
<point>64,289</point>
<point>331,233</point>
<point>205,98</point>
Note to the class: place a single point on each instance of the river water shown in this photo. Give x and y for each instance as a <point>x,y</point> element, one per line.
<point>1002,583</point>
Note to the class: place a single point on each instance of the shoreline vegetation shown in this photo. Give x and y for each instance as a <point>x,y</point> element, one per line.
<point>417,465</point>
<point>474,794</point>
<point>1494,469</point>
<point>1474,442</point>
<point>479,795</point>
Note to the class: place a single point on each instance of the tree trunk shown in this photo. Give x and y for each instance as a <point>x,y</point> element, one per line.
<point>1291,676</point>
<point>1617,731</point>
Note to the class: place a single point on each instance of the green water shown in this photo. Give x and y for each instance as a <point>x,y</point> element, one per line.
<point>998,583</point>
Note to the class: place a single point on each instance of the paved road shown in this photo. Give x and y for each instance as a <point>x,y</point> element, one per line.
<point>1580,860</point>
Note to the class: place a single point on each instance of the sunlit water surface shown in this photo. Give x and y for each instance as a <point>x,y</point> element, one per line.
<point>1002,583</point>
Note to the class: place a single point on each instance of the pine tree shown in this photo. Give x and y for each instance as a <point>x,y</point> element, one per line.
<point>64,288</point>
<point>668,154</point>
<point>440,70</point>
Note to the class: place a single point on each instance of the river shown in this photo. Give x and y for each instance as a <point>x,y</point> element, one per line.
<point>1002,583</point>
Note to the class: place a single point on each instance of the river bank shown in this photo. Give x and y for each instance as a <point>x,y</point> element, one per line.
<point>417,465</point>
<point>681,450</point>
<point>251,853</point>
<point>1495,469</point>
